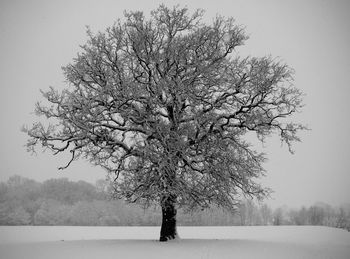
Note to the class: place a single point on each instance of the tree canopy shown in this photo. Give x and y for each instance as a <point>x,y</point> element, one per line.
<point>164,103</point>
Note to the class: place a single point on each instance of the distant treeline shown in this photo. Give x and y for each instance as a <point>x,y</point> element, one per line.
<point>62,202</point>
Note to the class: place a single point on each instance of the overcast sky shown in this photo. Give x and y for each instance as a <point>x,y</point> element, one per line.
<point>313,37</point>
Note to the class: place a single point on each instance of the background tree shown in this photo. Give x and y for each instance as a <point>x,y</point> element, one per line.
<point>299,217</point>
<point>52,212</point>
<point>316,215</point>
<point>278,217</point>
<point>266,214</point>
<point>67,191</point>
<point>163,105</point>
<point>343,220</point>
<point>19,216</point>
<point>43,209</point>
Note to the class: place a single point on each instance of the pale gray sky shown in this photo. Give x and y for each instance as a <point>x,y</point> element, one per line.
<point>313,37</point>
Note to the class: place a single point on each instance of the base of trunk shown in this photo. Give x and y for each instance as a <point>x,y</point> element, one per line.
<point>167,238</point>
<point>168,229</point>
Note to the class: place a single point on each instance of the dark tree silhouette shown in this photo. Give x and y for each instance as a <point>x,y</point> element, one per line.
<point>163,105</point>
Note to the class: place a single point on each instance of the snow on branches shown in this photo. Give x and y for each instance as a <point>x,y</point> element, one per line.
<point>163,104</point>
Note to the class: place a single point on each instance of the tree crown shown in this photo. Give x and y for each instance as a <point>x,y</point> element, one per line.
<point>163,104</point>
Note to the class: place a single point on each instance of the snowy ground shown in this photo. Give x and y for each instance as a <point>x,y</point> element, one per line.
<point>195,242</point>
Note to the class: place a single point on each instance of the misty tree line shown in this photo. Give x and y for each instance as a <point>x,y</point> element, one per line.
<point>62,202</point>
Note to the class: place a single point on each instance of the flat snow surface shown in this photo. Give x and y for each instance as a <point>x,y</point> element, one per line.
<point>196,242</point>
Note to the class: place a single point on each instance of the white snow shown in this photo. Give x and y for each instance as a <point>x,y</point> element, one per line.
<point>196,242</point>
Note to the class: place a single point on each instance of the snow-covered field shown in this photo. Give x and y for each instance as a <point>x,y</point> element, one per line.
<point>196,242</point>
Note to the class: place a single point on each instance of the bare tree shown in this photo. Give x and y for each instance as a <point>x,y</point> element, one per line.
<point>163,105</point>
<point>278,217</point>
<point>266,214</point>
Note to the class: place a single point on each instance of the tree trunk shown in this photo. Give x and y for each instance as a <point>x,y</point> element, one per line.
<point>168,229</point>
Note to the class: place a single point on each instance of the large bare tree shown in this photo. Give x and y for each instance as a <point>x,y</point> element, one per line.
<point>164,104</point>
